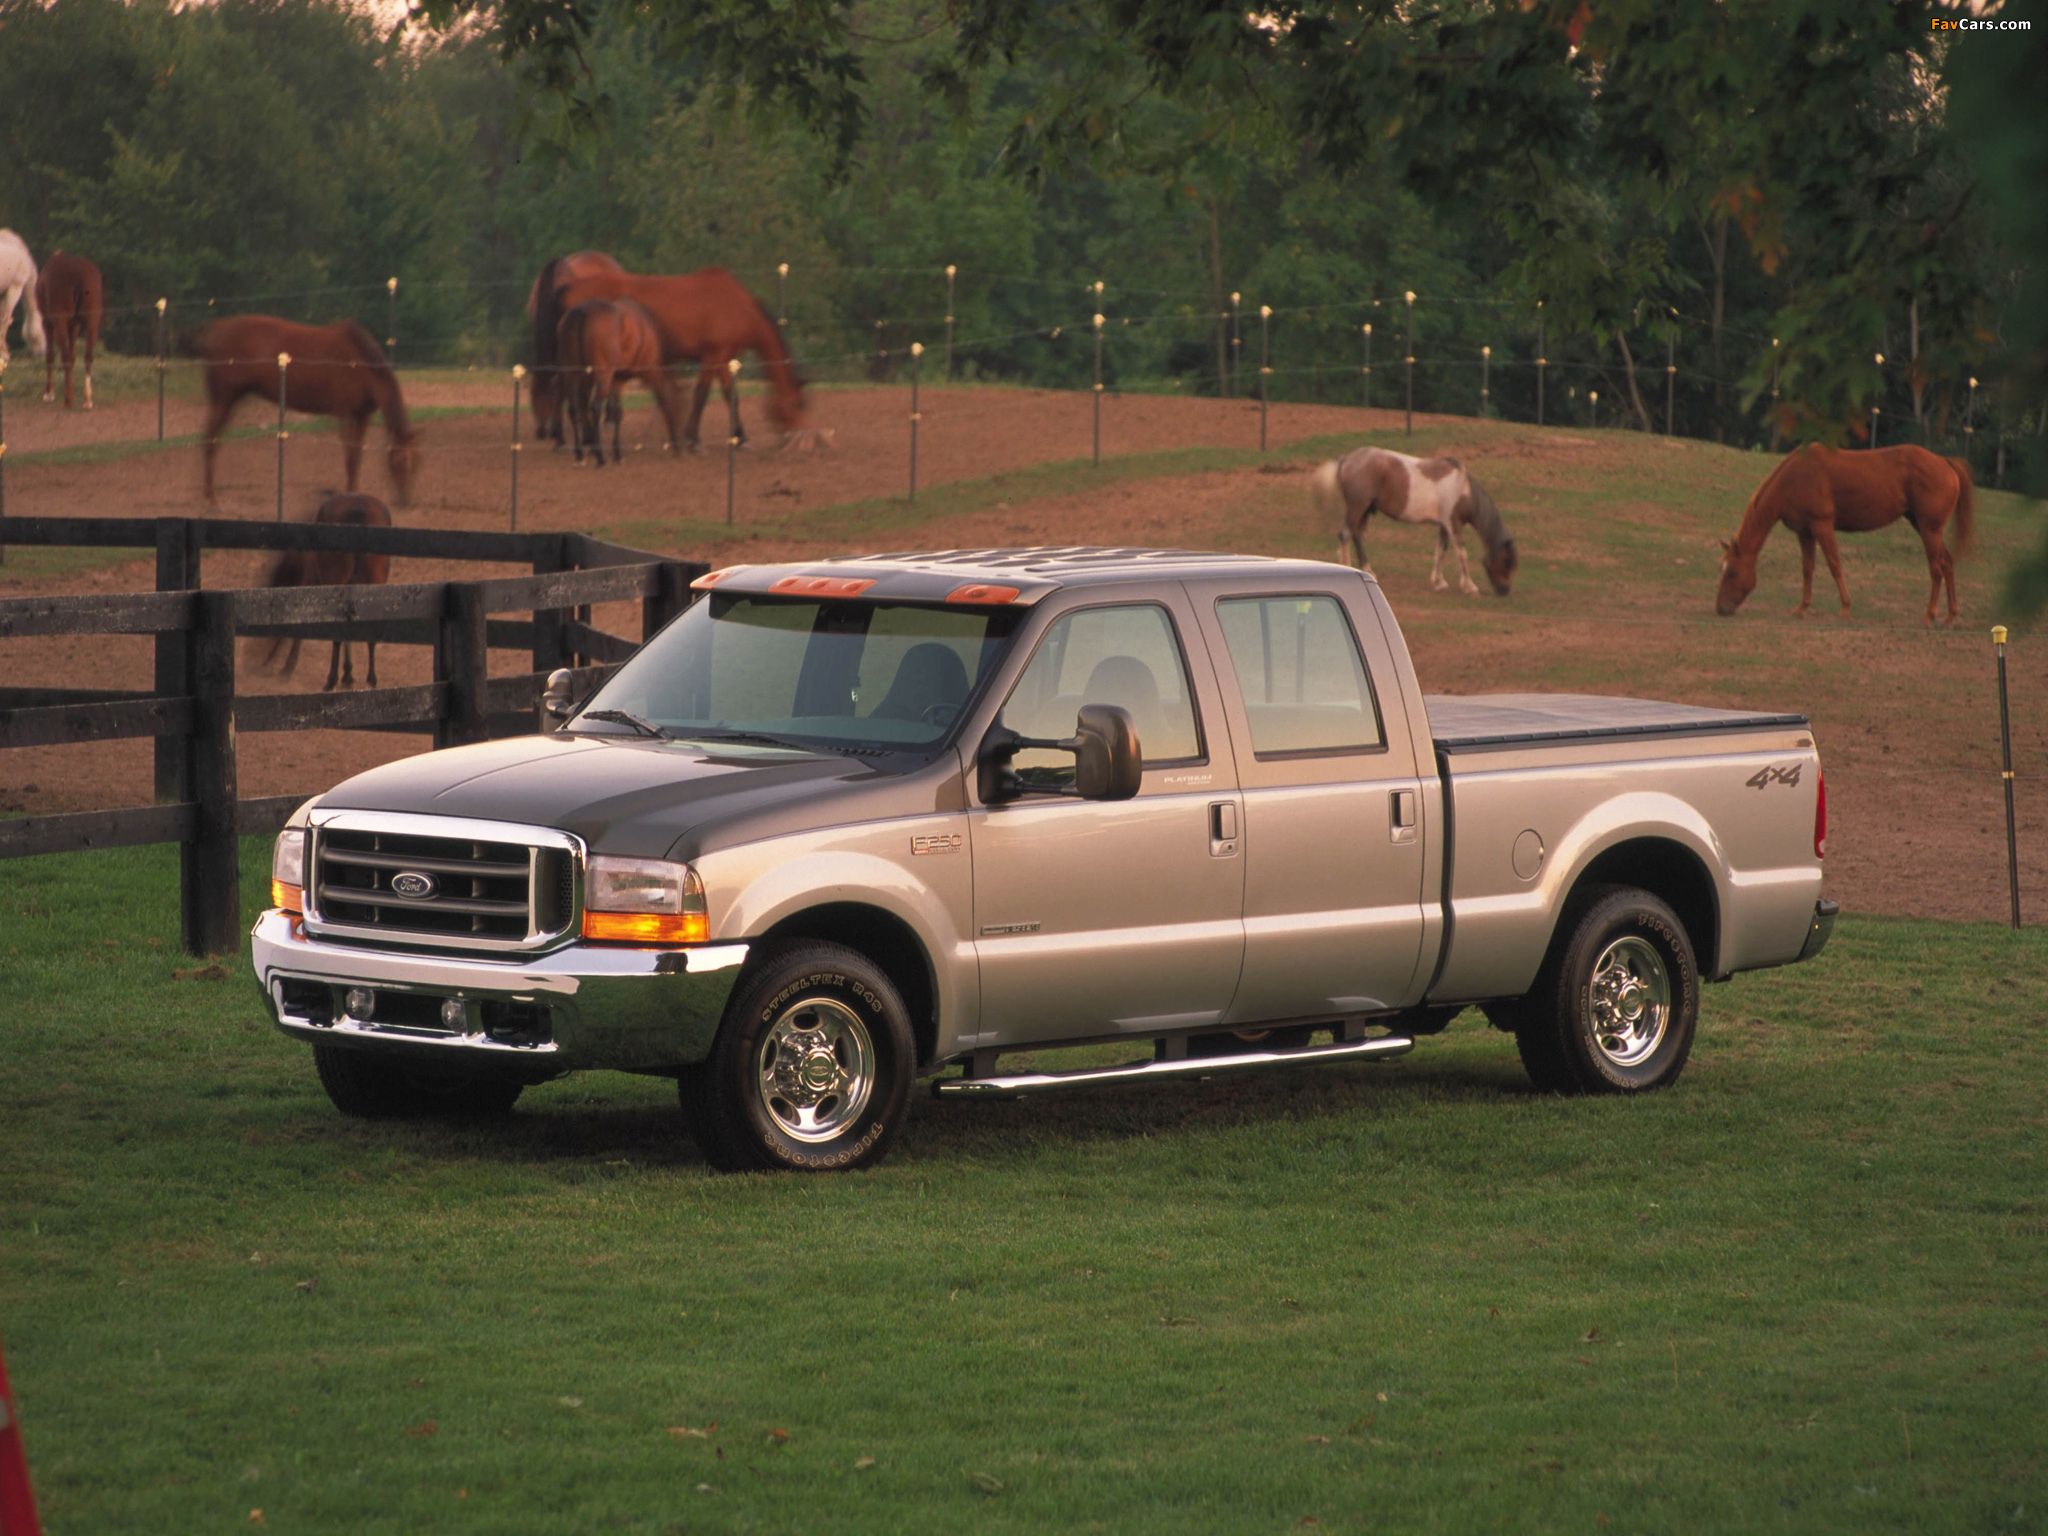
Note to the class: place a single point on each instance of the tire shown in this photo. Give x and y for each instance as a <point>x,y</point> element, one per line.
<point>1616,1007</point>
<point>811,1070</point>
<point>371,1086</point>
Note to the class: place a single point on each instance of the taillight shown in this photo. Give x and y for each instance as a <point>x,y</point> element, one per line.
<point>1820,818</point>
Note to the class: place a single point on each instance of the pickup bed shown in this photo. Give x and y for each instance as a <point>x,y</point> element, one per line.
<point>846,824</point>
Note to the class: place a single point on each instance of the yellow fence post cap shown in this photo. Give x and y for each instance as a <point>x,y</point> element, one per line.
<point>1998,634</point>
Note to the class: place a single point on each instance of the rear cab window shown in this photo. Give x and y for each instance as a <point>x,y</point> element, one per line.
<point>1300,675</point>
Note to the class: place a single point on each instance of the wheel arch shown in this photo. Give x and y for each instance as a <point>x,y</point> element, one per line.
<point>884,938</point>
<point>1668,869</point>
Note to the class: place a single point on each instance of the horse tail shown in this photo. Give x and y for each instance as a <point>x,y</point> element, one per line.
<point>32,316</point>
<point>1965,505</point>
<point>547,313</point>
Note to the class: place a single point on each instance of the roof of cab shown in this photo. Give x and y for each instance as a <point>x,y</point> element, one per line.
<point>976,576</point>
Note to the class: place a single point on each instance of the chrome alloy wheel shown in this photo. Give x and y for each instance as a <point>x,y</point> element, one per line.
<point>1630,1000</point>
<point>816,1069</point>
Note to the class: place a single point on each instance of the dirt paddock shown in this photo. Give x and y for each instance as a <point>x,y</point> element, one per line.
<point>1615,592</point>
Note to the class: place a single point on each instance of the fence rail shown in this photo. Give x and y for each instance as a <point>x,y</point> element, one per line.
<point>194,714</point>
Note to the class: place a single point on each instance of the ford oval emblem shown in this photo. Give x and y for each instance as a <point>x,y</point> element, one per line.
<point>412,885</point>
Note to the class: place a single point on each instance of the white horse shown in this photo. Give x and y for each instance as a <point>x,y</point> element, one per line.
<point>18,281</point>
<point>1412,490</point>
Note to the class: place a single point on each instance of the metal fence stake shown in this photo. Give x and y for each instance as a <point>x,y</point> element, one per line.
<point>1265,369</point>
<point>391,319</point>
<point>1236,347</point>
<point>162,347</point>
<point>518,373</point>
<point>3,450</point>
<point>916,366</point>
<point>1097,451</point>
<point>2012,846</point>
<point>1365,372</point>
<point>732,436</point>
<point>284,362</point>
<point>950,270</point>
<point>1410,360</point>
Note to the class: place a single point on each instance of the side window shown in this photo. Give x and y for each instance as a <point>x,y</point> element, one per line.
<point>1126,656</point>
<point>1300,674</point>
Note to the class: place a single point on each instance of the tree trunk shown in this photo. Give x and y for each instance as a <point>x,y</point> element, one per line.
<point>1913,365</point>
<point>1635,395</point>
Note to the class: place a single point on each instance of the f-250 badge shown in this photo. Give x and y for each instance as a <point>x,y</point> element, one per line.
<point>937,842</point>
<point>1764,778</point>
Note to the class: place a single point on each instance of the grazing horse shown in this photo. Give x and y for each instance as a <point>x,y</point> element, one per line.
<point>333,568</point>
<point>72,296</point>
<point>542,310</point>
<point>18,282</point>
<point>603,344</point>
<point>707,317</point>
<point>1817,492</point>
<point>1412,490</point>
<point>336,370</point>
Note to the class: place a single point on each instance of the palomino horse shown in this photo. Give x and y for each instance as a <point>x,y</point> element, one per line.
<point>546,395</point>
<point>18,282</point>
<point>707,317</point>
<point>1411,490</point>
<point>333,568</point>
<point>1817,492</point>
<point>336,370</point>
<point>72,296</point>
<point>604,344</point>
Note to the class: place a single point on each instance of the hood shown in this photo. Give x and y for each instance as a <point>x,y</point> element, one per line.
<point>630,795</point>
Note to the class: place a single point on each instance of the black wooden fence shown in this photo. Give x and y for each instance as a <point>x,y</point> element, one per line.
<point>195,714</point>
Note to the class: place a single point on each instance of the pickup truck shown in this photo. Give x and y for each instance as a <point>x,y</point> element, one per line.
<point>846,824</point>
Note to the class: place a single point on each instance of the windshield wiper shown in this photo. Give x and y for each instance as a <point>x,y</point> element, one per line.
<point>626,717</point>
<point>757,738</point>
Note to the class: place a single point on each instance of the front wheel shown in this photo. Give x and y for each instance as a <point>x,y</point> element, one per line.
<point>811,1070</point>
<point>372,1086</point>
<point>1616,1010</point>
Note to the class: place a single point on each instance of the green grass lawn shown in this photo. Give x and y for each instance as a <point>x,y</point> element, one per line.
<point>1805,1290</point>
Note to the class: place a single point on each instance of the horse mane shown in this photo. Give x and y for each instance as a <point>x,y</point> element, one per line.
<point>383,380</point>
<point>778,359</point>
<point>1485,517</point>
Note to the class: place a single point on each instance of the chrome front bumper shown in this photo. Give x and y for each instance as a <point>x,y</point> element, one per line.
<point>583,1005</point>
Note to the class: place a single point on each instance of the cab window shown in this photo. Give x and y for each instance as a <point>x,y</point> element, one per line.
<point>1299,672</point>
<point>1127,656</point>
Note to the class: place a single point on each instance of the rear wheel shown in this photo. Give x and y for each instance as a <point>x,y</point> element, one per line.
<point>372,1086</point>
<point>811,1070</point>
<point>1615,1009</point>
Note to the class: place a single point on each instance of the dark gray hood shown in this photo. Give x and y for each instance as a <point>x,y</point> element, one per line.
<point>645,798</point>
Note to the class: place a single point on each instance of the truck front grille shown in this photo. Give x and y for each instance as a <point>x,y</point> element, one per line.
<point>420,885</point>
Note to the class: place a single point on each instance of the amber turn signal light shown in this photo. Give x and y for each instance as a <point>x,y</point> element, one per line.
<point>647,927</point>
<point>287,898</point>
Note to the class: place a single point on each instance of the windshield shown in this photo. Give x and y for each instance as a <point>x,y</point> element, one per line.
<point>808,672</point>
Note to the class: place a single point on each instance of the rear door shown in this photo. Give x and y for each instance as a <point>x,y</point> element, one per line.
<point>1100,917</point>
<point>1333,794</point>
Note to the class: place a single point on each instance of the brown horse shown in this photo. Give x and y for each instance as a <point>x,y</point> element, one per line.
<point>1428,492</point>
<point>71,296</point>
<point>333,568</point>
<point>545,313</point>
<point>336,370</point>
<point>707,317</point>
<point>603,345</point>
<point>1817,492</point>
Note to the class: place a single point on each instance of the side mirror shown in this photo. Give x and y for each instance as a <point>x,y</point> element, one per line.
<point>554,698</point>
<point>1109,762</point>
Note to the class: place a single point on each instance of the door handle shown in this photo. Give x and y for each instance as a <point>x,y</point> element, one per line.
<point>1401,816</point>
<point>1223,829</point>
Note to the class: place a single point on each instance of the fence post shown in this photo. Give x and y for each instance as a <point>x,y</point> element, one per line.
<point>210,884</point>
<point>1877,405</point>
<point>881,349</point>
<point>518,373</point>
<point>1774,394</point>
<point>1410,360</point>
<point>732,435</point>
<point>916,366</point>
<point>1265,369</point>
<point>161,348</point>
<point>284,362</point>
<point>1097,450</point>
<point>177,570</point>
<point>1970,422</point>
<point>1485,378</point>
<point>1542,362</point>
<point>782,294</point>
<point>550,650</point>
<point>950,270</point>
<point>462,661</point>
<point>669,598</point>
<point>3,450</point>
<point>1365,372</point>
<point>1236,347</point>
<point>1670,377</point>
<point>391,319</point>
<point>2012,847</point>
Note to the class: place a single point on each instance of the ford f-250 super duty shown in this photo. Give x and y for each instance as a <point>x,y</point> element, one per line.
<point>844,824</point>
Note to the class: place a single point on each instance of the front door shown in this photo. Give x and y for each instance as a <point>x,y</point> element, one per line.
<point>1096,917</point>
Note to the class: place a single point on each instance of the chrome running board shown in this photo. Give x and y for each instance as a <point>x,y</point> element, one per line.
<point>1014,1084</point>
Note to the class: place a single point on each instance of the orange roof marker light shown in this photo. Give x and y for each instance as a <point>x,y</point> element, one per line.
<point>824,586</point>
<point>706,582</point>
<point>984,592</point>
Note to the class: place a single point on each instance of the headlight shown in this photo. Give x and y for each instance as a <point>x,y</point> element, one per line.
<point>288,870</point>
<point>643,901</point>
